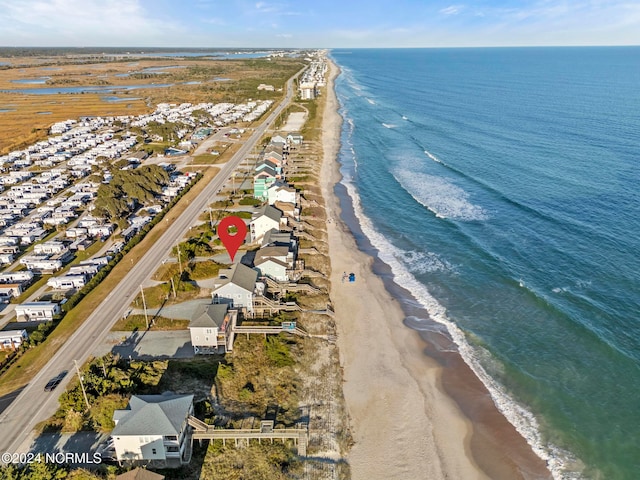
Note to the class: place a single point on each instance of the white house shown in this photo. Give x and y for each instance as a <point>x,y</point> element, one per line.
<point>75,232</point>
<point>12,339</point>
<point>36,311</point>
<point>273,268</point>
<point>265,219</point>
<point>154,430</point>
<point>274,262</point>
<point>282,192</point>
<point>65,282</point>
<point>20,276</point>
<point>236,287</point>
<point>49,248</point>
<point>100,230</point>
<point>295,138</point>
<point>9,291</point>
<point>41,264</point>
<point>211,328</point>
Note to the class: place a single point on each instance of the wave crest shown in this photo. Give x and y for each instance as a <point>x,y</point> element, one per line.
<point>558,461</point>
<point>439,195</point>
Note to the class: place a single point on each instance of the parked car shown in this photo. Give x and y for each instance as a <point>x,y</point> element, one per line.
<point>55,381</point>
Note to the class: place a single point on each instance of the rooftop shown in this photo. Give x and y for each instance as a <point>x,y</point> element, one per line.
<point>153,415</point>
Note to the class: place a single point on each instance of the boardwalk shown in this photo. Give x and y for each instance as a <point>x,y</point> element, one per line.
<point>202,431</point>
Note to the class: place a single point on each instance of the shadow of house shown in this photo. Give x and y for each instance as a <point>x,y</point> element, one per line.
<point>77,449</point>
<point>160,345</point>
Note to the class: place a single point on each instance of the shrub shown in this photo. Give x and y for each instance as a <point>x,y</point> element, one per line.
<point>278,352</point>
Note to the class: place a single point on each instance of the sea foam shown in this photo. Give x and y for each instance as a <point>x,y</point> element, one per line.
<point>439,195</point>
<point>425,262</point>
<point>524,421</point>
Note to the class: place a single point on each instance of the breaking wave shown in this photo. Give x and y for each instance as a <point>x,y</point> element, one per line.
<point>439,195</point>
<point>558,461</point>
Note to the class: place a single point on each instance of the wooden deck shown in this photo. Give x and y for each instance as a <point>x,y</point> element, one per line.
<point>202,431</point>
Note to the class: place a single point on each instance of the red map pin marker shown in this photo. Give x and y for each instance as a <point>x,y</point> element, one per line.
<point>233,241</point>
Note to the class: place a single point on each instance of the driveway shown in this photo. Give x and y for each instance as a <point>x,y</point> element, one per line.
<point>149,345</point>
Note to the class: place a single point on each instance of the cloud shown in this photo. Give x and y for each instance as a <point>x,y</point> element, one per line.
<point>81,22</point>
<point>264,7</point>
<point>284,35</point>
<point>452,10</point>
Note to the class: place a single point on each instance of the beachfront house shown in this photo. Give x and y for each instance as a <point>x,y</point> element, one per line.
<point>211,328</point>
<point>262,180</point>
<point>154,430</point>
<point>275,262</point>
<point>37,311</point>
<point>12,339</point>
<point>269,165</point>
<point>295,139</point>
<point>275,159</point>
<point>282,192</point>
<point>265,219</point>
<point>274,238</point>
<point>235,287</point>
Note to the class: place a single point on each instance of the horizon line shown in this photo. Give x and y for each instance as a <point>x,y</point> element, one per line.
<point>314,48</point>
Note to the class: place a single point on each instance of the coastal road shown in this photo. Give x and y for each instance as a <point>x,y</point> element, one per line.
<point>33,404</point>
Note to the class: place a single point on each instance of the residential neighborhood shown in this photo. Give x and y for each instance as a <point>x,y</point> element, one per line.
<point>58,235</point>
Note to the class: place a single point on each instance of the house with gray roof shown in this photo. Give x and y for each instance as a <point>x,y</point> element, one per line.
<point>275,262</point>
<point>154,430</point>
<point>211,328</point>
<point>265,219</point>
<point>236,287</point>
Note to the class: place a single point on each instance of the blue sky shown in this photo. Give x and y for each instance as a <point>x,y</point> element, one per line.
<point>319,23</point>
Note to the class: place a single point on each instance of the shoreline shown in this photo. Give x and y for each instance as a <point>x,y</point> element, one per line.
<point>414,410</point>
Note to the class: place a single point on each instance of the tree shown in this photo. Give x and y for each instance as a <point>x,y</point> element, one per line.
<point>46,471</point>
<point>129,188</point>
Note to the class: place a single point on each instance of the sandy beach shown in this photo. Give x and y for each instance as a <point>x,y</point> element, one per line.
<point>403,423</point>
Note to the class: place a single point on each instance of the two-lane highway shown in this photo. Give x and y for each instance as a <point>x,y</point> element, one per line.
<point>33,405</point>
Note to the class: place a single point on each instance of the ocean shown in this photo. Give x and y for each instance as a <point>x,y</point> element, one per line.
<point>501,187</point>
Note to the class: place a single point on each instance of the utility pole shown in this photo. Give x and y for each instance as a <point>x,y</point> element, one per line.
<point>173,287</point>
<point>84,393</point>
<point>179,261</point>
<point>210,218</point>
<point>144,305</point>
